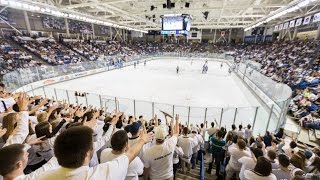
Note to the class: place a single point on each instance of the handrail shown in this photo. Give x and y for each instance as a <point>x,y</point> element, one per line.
<point>202,167</point>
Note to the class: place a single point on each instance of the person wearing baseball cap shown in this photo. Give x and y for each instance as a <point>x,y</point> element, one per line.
<point>158,158</point>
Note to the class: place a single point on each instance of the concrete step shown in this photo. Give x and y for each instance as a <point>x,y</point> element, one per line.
<point>194,173</point>
<point>317,134</point>
<point>312,136</point>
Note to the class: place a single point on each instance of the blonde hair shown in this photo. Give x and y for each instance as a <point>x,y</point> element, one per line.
<point>42,116</point>
<point>55,123</point>
<point>9,122</point>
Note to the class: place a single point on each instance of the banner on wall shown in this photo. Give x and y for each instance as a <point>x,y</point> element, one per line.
<point>286,25</point>
<point>291,24</point>
<point>276,28</point>
<point>280,27</point>
<point>306,20</point>
<point>316,17</point>
<point>298,22</point>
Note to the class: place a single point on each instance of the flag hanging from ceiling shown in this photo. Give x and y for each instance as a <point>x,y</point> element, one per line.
<point>286,25</point>
<point>291,23</point>
<point>316,17</point>
<point>306,20</point>
<point>280,27</point>
<point>298,22</point>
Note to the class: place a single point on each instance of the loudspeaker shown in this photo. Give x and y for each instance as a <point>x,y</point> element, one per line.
<point>164,6</point>
<point>168,4</point>
<point>187,5</point>
<point>172,5</point>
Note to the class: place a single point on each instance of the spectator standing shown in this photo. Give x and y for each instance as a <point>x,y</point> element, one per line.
<point>262,171</point>
<point>236,153</point>
<point>119,143</point>
<point>187,144</point>
<point>158,158</point>
<point>248,132</point>
<point>218,153</point>
<point>283,172</point>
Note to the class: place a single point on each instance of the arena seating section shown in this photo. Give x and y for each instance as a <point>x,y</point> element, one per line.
<point>295,63</point>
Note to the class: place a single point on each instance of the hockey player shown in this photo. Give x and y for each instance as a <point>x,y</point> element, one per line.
<point>221,65</point>
<point>134,64</point>
<point>145,62</point>
<point>177,69</point>
<point>229,71</point>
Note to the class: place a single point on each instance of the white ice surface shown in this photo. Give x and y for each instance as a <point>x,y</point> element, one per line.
<point>158,82</point>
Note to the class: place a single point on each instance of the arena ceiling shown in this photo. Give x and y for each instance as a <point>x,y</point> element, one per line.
<point>221,14</point>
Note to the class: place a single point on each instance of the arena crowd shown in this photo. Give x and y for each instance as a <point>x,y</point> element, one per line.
<point>295,63</point>
<point>45,139</point>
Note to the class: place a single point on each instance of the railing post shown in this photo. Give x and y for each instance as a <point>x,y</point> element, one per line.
<point>32,90</point>
<point>189,116</point>
<point>235,115</point>
<point>255,117</point>
<point>86,99</point>
<point>44,92</point>
<point>68,96</point>
<point>77,100</point>
<point>221,117</point>
<point>152,109</point>
<point>281,113</point>
<point>55,93</point>
<point>173,111</point>
<point>38,73</point>
<point>115,101</point>
<point>270,114</point>
<point>245,71</point>
<point>100,99</point>
<point>134,108</point>
<point>205,116</point>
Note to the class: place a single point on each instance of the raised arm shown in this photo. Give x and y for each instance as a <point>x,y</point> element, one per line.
<point>22,130</point>
<point>176,127</point>
<point>134,150</point>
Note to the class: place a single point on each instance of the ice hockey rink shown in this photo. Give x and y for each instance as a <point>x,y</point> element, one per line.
<point>158,82</point>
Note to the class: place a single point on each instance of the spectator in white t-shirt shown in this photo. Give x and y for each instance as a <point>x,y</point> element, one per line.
<point>187,144</point>
<point>249,162</point>
<point>119,143</point>
<point>211,131</point>
<point>178,152</point>
<point>158,158</point>
<point>248,132</point>
<point>74,150</point>
<point>240,131</point>
<point>197,150</point>
<point>235,154</point>
<point>262,171</point>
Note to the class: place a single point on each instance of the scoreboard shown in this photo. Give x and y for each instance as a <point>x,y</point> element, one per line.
<point>175,24</point>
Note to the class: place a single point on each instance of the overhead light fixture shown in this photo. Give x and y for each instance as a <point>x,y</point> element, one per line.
<point>205,15</point>
<point>282,12</point>
<point>152,8</point>
<point>55,12</point>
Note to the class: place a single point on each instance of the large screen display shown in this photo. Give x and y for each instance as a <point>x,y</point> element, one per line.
<point>172,23</point>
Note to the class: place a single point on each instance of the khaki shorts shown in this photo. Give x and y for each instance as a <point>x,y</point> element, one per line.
<point>230,171</point>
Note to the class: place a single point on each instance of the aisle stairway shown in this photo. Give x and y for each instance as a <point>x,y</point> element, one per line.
<point>194,174</point>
